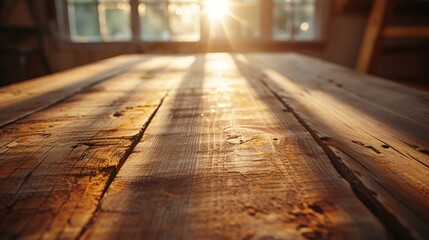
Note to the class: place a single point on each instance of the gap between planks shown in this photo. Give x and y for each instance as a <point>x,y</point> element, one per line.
<point>127,154</point>
<point>363,193</point>
<point>147,76</point>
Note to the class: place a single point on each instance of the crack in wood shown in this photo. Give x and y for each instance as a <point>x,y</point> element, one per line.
<point>364,194</point>
<point>113,171</point>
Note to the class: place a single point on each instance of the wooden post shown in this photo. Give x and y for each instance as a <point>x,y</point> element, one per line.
<point>371,37</point>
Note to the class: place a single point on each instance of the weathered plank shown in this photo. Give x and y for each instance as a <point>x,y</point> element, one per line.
<point>377,132</point>
<point>22,99</point>
<point>56,164</point>
<point>223,158</point>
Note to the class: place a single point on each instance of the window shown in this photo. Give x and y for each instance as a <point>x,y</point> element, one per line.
<point>190,20</point>
<point>102,20</point>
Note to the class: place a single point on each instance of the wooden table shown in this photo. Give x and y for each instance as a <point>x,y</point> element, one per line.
<point>214,146</point>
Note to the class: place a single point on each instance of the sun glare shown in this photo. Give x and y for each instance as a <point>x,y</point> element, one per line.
<point>216,9</point>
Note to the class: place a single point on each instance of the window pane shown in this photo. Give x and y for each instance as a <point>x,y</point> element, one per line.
<point>282,22</point>
<point>83,20</point>
<point>81,1</point>
<point>304,22</point>
<point>241,20</point>
<point>173,21</point>
<point>245,21</point>
<point>184,21</point>
<point>153,22</point>
<point>115,21</point>
<point>114,1</point>
<point>294,20</point>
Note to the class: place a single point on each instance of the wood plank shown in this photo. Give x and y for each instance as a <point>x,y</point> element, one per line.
<point>372,34</point>
<point>377,132</point>
<point>406,32</point>
<point>56,164</point>
<point>386,94</point>
<point>223,158</point>
<point>22,99</point>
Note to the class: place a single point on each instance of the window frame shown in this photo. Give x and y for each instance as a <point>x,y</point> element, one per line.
<point>265,41</point>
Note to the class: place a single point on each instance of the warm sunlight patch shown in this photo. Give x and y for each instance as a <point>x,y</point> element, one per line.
<point>216,9</point>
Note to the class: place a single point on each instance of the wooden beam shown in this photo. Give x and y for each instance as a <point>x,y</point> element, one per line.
<point>406,32</point>
<point>372,34</point>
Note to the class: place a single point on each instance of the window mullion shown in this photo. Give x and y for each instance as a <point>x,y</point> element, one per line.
<point>266,19</point>
<point>101,22</point>
<point>321,16</point>
<point>168,19</point>
<point>204,27</point>
<point>292,17</point>
<point>135,20</point>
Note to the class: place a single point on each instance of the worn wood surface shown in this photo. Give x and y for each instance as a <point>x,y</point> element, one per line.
<point>214,146</point>
<point>377,131</point>
<point>20,100</point>
<point>222,159</point>
<point>55,164</point>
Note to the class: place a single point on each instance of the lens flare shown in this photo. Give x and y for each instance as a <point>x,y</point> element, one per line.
<point>216,9</point>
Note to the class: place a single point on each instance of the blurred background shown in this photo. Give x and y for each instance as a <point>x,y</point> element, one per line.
<point>38,37</point>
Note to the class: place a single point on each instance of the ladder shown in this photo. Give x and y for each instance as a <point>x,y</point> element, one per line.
<point>377,30</point>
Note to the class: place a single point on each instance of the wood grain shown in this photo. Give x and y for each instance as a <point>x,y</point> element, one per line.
<point>377,132</point>
<point>56,164</point>
<point>22,99</point>
<point>223,158</point>
<point>213,146</point>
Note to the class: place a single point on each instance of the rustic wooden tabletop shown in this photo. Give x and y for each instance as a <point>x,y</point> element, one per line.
<point>213,146</point>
